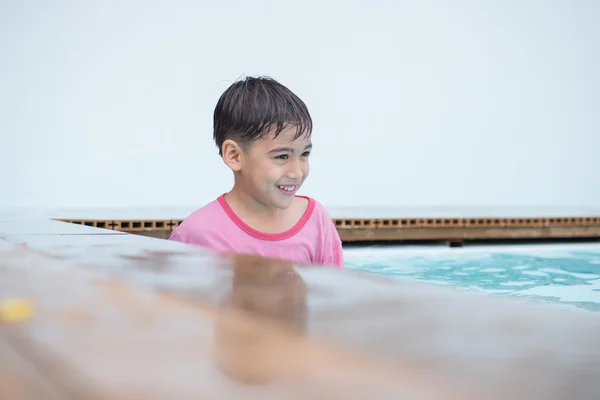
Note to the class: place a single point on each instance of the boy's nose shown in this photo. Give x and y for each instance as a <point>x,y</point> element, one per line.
<point>294,171</point>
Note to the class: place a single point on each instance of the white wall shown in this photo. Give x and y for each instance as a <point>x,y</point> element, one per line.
<point>109,103</point>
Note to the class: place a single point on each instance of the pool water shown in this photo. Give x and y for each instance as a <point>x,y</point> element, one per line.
<point>568,274</point>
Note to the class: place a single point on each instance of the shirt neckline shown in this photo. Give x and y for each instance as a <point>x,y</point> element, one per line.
<point>268,236</point>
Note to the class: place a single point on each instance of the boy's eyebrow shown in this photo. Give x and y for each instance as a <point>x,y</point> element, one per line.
<point>288,149</point>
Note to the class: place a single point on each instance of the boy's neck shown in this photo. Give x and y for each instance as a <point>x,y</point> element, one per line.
<point>247,206</point>
<point>262,217</point>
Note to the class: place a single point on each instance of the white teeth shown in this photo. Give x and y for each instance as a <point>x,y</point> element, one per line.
<point>287,188</point>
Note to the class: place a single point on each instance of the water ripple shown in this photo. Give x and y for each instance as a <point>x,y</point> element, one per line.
<point>564,276</point>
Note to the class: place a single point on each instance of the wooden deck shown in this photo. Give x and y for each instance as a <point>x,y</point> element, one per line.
<point>121,316</point>
<point>407,229</point>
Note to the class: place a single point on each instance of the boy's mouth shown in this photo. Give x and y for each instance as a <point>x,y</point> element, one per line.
<point>287,189</point>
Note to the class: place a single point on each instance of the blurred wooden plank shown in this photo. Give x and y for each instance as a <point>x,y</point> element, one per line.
<point>46,375</point>
<point>183,324</point>
<point>19,379</point>
<point>138,343</point>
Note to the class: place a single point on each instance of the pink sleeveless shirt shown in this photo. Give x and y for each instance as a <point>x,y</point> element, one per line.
<point>313,240</point>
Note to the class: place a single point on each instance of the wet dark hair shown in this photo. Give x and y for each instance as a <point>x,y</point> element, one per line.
<point>254,107</point>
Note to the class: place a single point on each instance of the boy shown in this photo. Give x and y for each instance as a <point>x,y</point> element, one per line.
<point>263,133</point>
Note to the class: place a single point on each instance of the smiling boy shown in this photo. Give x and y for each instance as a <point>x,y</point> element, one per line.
<point>263,132</point>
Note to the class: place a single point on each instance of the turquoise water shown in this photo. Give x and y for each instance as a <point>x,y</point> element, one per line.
<point>564,274</point>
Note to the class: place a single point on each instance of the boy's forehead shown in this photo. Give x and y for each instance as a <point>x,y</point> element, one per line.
<point>288,138</point>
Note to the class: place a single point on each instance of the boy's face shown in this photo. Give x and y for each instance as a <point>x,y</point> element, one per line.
<point>273,169</point>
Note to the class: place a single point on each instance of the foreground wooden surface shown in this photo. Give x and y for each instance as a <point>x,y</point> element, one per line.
<point>125,317</point>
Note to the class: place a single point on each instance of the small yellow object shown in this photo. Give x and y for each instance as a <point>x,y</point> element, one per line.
<point>13,310</point>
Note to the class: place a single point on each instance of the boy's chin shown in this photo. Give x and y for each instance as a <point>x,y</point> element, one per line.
<point>282,202</point>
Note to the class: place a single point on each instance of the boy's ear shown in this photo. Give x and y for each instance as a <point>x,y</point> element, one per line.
<point>232,155</point>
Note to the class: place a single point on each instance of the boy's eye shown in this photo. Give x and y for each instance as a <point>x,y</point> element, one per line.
<point>287,156</point>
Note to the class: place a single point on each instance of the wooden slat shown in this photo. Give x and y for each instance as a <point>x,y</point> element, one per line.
<point>138,343</point>
<point>471,234</point>
<point>38,373</point>
<point>19,379</point>
<point>188,325</point>
<point>414,229</point>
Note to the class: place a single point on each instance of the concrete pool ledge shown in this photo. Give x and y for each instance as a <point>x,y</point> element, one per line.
<point>130,317</point>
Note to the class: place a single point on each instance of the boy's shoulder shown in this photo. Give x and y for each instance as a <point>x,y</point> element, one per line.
<point>318,209</point>
<point>208,211</point>
<point>318,218</point>
<point>201,220</point>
